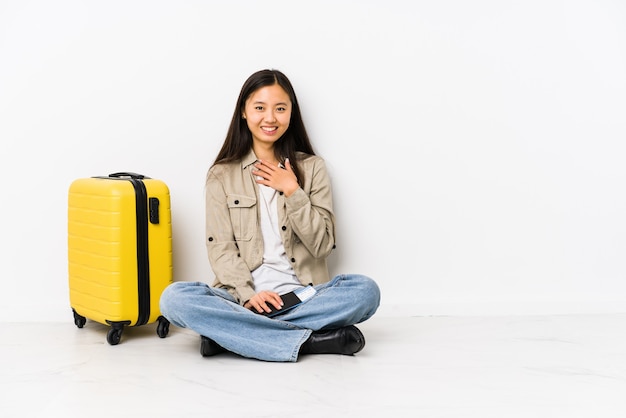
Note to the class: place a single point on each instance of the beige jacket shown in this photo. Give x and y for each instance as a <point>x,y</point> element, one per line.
<point>233,230</point>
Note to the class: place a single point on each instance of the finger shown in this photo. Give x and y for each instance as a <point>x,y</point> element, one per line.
<point>268,306</point>
<point>278,301</point>
<point>274,304</point>
<point>255,303</point>
<point>289,169</point>
<point>258,174</point>
<point>257,307</point>
<point>272,298</point>
<point>263,170</point>
<point>258,301</point>
<point>275,301</point>
<point>267,165</point>
<point>265,306</point>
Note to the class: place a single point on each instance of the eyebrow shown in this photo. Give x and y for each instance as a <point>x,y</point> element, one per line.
<point>277,104</point>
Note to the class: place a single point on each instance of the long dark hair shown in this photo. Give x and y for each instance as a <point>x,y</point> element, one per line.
<point>239,138</point>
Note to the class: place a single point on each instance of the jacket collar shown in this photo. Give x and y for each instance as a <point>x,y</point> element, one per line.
<point>249,159</point>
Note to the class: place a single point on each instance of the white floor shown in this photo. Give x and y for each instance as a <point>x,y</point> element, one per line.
<point>528,366</point>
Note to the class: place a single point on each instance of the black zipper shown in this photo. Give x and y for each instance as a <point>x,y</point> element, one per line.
<point>143,262</point>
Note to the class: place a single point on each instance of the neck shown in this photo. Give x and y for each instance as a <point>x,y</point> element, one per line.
<point>265,153</point>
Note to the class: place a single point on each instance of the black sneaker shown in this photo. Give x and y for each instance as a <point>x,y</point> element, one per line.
<point>347,341</point>
<point>209,348</point>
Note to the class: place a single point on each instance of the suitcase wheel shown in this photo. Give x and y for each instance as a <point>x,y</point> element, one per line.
<point>163,327</point>
<point>114,335</point>
<point>79,320</point>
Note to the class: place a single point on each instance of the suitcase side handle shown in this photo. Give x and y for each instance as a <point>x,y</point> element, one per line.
<point>153,210</point>
<point>127,174</point>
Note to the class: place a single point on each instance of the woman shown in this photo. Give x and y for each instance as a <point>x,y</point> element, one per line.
<point>269,228</point>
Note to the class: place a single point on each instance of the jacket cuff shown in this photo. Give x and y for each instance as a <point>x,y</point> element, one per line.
<point>244,295</point>
<point>297,199</point>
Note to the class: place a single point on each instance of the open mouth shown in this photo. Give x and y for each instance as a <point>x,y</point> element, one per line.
<point>269,129</point>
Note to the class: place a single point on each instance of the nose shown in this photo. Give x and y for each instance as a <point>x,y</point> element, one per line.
<point>269,116</point>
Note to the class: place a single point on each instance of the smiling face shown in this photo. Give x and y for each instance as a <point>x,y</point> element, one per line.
<point>267,113</point>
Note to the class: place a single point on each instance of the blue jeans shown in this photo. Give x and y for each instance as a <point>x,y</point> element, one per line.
<point>345,300</point>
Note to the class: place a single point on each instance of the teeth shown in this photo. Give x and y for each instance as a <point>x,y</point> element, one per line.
<point>268,129</point>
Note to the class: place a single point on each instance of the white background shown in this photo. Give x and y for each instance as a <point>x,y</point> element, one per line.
<point>476,148</point>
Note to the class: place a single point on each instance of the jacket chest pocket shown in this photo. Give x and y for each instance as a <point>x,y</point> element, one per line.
<point>242,216</point>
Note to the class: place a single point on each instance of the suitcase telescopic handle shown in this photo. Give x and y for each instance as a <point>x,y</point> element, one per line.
<point>127,174</point>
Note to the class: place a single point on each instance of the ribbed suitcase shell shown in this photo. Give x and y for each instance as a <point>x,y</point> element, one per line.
<point>119,259</point>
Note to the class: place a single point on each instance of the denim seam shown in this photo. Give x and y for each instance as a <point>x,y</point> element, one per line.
<point>296,351</point>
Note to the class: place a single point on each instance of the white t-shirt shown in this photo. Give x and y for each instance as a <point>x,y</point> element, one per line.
<point>275,274</point>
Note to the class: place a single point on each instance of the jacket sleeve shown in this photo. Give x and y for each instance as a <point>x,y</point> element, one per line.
<point>310,210</point>
<point>230,270</point>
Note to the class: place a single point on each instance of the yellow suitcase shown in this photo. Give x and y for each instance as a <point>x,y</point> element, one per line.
<point>119,251</point>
